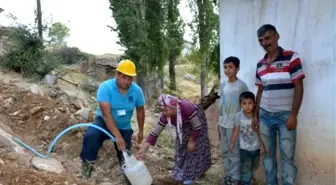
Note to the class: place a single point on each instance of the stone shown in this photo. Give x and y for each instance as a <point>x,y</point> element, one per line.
<point>189,77</point>
<point>36,110</point>
<point>15,113</point>
<point>62,109</point>
<point>84,113</point>
<point>50,165</point>
<point>46,118</point>
<point>78,104</point>
<point>50,79</point>
<point>36,89</point>
<point>8,102</point>
<point>6,141</point>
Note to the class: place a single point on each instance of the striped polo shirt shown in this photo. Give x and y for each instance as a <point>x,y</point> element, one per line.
<point>277,80</point>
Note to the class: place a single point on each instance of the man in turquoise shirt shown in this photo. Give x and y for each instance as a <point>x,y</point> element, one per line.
<point>117,99</point>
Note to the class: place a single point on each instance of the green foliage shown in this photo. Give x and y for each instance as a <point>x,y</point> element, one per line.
<point>131,27</point>
<point>155,18</point>
<point>205,24</point>
<point>182,60</point>
<point>58,33</point>
<point>27,54</point>
<point>72,55</point>
<point>175,27</point>
<point>148,29</point>
<point>214,63</point>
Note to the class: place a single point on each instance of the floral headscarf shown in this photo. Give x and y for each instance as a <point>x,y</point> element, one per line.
<point>170,101</point>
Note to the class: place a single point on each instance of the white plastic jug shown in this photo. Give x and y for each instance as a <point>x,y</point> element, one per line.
<point>136,171</point>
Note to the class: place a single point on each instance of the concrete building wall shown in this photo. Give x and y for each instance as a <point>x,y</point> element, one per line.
<point>308,27</point>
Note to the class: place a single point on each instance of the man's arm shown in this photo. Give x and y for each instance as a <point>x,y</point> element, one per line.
<point>258,100</point>
<point>106,111</point>
<point>297,75</point>
<point>140,104</point>
<point>104,102</point>
<point>141,118</point>
<point>298,95</point>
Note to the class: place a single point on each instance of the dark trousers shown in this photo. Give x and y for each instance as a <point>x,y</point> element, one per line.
<point>94,138</point>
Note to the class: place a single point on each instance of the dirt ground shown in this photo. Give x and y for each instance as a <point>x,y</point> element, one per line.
<point>13,172</point>
<point>36,120</point>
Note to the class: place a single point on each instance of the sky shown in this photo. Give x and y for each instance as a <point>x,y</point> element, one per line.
<point>87,20</point>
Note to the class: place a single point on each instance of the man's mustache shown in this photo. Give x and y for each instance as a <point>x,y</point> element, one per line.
<point>266,46</point>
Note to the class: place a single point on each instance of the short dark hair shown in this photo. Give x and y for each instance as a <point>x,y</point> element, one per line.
<point>246,95</point>
<point>233,60</point>
<point>265,28</point>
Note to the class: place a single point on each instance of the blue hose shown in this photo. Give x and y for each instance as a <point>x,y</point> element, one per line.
<point>60,135</point>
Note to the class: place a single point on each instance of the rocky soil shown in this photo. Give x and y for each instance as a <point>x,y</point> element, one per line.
<point>37,113</point>
<point>36,120</point>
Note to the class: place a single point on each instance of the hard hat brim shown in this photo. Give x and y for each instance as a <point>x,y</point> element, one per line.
<point>127,74</point>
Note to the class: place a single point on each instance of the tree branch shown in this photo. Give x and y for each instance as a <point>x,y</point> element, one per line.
<point>112,28</point>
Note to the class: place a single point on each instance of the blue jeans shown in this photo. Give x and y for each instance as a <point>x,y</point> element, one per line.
<point>249,161</point>
<point>94,138</point>
<point>272,124</point>
<point>231,159</point>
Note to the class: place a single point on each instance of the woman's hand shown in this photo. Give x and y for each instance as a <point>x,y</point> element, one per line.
<point>142,151</point>
<point>191,145</point>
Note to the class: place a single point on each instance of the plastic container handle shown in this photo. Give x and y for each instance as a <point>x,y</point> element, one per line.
<point>126,157</point>
<point>123,167</point>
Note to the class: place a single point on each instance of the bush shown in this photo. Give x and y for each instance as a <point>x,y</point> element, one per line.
<point>182,60</point>
<point>72,55</point>
<point>26,54</point>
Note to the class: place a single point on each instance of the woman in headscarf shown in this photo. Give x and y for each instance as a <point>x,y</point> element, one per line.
<point>192,146</point>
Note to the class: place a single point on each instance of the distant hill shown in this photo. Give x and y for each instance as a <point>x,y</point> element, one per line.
<point>108,56</point>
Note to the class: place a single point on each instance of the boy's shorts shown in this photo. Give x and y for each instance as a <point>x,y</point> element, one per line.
<point>249,161</point>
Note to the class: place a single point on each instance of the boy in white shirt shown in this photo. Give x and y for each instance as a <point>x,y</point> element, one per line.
<point>250,143</point>
<point>230,91</point>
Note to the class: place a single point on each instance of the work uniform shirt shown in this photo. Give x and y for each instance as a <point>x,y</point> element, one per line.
<point>277,80</point>
<point>122,106</point>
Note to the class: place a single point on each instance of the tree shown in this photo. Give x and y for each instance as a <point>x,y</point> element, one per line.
<point>58,33</point>
<point>204,25</point>
<point>139,27</point>
<point>155,18</point>
<point>214,64</point>
<point>39,19</point>
<point>175,40</point>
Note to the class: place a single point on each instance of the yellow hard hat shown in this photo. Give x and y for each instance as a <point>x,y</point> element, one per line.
<point>126,67</point>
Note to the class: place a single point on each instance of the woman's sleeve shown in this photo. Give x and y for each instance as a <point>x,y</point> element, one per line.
<point>152,137</point>
<point>195,124</point>
<point>191,112</point>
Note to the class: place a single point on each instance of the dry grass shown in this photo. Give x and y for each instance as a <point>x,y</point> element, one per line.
<point>185,89</point>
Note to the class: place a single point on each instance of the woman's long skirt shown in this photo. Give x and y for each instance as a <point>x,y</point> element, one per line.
<point>190,166</point>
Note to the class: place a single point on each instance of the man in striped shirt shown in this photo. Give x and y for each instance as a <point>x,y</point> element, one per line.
<point>279,77</point>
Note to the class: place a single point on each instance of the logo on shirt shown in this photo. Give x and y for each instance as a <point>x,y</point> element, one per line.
<point>279,67</point>
<point>130,99</point>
